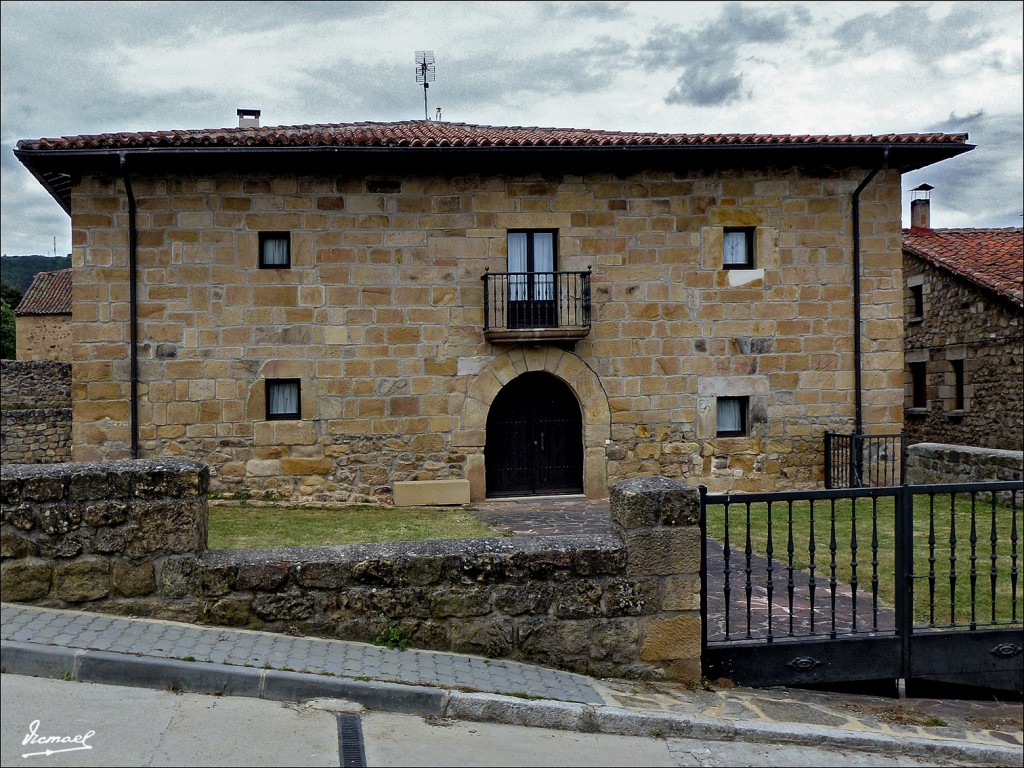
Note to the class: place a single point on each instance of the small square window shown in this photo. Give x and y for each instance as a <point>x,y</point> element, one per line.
<point>919,385</point>
<point>283,399</point>
<point>275,250</point>
<point>731,416</point>
<point>917,296</point>
<point>738,248</point>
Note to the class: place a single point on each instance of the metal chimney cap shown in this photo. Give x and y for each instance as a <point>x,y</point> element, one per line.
<point>248,118</point>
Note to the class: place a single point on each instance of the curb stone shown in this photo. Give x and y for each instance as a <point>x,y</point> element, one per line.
<point>110,668</point>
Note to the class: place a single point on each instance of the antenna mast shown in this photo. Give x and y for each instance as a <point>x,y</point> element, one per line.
<point>425,75</point>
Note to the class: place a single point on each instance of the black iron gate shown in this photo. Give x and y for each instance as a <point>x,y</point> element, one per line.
<point>534,438</point>
<point>864,461</point>
<point>919,583</point>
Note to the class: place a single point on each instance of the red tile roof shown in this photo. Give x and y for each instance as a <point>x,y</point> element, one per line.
<point>992,258</point>
<point>428,133</point>
<point>49,294</point>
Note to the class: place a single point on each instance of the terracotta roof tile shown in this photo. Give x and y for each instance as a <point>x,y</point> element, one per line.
<point>992,258</point>
<point>428,133</point>
<point>49,294</point>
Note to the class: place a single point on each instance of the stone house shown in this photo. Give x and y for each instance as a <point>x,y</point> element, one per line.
<point>42,319</point>
<point>351,311</point>
<point>964,309</point>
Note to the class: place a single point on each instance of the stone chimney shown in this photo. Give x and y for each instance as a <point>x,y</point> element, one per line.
<point>248,118</point>
<point>920,209</point>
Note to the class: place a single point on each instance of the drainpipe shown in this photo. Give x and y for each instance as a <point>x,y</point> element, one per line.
<point>858,395</point>
<point>133,306</point>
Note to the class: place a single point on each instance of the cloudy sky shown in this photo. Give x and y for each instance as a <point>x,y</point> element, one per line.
<point>680,67</point>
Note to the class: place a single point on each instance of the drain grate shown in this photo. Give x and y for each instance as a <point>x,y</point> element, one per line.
<point>350,742</point>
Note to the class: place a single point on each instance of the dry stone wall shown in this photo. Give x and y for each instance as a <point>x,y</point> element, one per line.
<point>129,537</point>
<point>937,463</point>
<point>35,412</point>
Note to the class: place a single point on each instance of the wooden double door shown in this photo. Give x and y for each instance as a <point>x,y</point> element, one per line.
<point>534,438</point>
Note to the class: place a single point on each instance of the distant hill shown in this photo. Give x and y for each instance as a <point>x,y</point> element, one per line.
<point>19,270</point>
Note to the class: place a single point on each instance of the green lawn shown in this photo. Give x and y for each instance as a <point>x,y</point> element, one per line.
<point>245,526</point>
<point>851,528</point>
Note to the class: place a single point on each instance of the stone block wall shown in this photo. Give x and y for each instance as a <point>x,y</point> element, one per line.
<point>129,538</point>
<point>937,463</point>
<point>35,412</point>
<point>962,322</point>
<point>381,318</point>
<point>43,337</point>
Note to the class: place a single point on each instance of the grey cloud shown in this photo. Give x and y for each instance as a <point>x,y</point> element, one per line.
<point>710,57</point>
<point>978,181</point>
<point>909,26</point>
<point>593,11</point>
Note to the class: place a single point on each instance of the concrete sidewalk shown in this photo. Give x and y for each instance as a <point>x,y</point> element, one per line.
<point>90,647</point>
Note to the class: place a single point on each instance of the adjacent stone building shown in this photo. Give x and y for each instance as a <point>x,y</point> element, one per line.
<point>42,319</point>
<point>326,311</point>
<point>964,308</point>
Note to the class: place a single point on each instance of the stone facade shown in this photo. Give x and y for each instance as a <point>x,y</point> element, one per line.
<point>35,412</point>
<point>381,318</point>
<point>43,337</point>
<point>129,537</point>
<point>985,333</point>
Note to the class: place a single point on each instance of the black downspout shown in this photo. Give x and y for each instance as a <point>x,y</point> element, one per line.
<point>133,306</point>
<point>858,395</point>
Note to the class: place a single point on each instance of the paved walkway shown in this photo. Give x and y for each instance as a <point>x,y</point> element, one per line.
<point>88,647</point>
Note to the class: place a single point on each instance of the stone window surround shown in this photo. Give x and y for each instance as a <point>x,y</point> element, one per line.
<point>765,247</point>
<point>956,381</point>
<point>916,285</point>
<point>711,388</point>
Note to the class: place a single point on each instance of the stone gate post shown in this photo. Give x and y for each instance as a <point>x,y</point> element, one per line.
<point>659,522</point>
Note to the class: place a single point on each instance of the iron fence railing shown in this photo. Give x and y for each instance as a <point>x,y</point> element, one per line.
<point>522,300</point>
<point>940,563</point>
<point>864,461</point>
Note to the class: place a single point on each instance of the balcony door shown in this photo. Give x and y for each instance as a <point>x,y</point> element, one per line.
<point>534,438</point>
<point>532,302</point>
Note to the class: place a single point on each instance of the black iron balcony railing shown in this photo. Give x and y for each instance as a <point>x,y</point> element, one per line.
<point>519,306</point>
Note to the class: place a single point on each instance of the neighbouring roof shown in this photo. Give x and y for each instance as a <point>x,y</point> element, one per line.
<point>55,161</point>
<point>991,258</point>
<point>49,294</point>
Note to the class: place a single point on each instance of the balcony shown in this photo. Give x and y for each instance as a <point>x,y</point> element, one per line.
<point>536,306</point>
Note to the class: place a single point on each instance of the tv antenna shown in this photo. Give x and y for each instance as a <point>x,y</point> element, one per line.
<point>425,75</point>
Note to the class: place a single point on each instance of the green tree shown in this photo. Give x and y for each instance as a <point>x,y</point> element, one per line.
<point>8,346</point>
<point>10,293</point>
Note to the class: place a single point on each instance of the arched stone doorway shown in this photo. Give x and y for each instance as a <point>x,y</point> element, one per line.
<point>487,383</point>
<point>534,438</point>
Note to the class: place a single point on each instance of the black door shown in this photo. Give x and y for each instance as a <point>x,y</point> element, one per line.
<point>534,438</point>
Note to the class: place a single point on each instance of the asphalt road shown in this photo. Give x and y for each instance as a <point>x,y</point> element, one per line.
<point>57,723</point>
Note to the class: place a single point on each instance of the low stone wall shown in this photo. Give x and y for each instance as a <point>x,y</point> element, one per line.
<point>35,436</point>
<point>34,384</point>
<point>939,463</point>
<point>129,538</point>
<point>35,412</point>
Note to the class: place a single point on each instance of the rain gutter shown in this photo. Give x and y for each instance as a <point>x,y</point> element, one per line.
<point>857,357</point>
